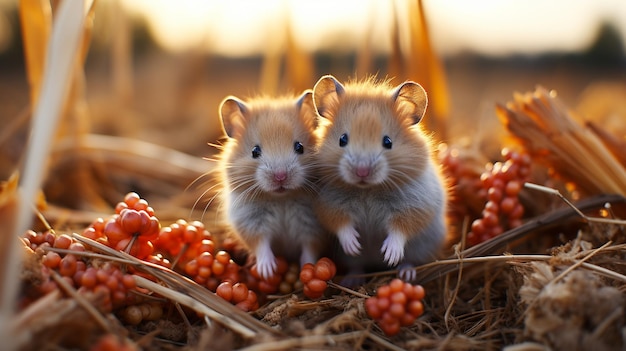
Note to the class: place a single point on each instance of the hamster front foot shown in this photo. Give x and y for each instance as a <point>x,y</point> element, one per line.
<point>308,255</point>
<point>407,272</point>
<point>349,240</point>
<point>265,260</point>
<point>393,248</point>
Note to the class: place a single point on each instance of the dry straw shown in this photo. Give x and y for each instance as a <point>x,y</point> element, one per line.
<point>51,88</point>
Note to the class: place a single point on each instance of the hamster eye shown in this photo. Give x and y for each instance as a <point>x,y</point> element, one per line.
<point>343,140</point>
<point>387,142</point>
<point>298,148</point>
<point>256,151</point>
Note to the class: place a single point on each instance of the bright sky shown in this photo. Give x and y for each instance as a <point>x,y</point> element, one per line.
<point>493,27</point>
<point>496,27</point>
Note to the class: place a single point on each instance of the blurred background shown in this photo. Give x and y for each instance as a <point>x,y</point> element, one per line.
<point>156,70</point>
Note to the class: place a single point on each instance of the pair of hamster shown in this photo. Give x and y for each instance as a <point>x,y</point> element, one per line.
<point>351,161</point>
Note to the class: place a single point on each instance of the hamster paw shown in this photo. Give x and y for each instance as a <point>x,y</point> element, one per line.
<point>266,267</point>
<point>407,272</point>
<point>265,262</point>
<point>349,240</point>
<point>393,248</point>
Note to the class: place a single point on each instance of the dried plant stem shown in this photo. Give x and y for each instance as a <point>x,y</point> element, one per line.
<point>347,290</point>
<point>555,192</point>
<point>315,341</point>
<point>383,342</point>
<point>61,55</point>
<point>544,126</point>
<point>446,315</point>
<point>125,151</point>
<point>102,322</point>
<point>518,258</point>
<point>180,286</point>
<point>579,263</point>
<point>195,305</point>
<point>434,270</point>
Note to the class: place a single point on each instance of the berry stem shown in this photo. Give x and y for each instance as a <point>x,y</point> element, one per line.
<point>348,290</point>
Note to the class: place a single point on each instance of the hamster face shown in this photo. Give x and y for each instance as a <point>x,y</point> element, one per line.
<point>271,144</point>
<point>368,138</point>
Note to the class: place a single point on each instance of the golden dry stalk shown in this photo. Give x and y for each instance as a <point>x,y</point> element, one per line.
<point>545,127</point>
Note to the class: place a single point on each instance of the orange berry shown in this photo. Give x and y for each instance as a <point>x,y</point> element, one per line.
<point>317,285</point>
<point>399,297</point>
<point>240,292</point>
<point>275,279</point>
<point>204,272</point>
<point>51,259</point>
<point>191,268</point>
<point>371,306</point>
<point>396,310</point>
<point>307,273</point>
<point>383,303</point>
<point>63,241</point>
<point>331,265</point>
<point>128,281</point>
<point>207,245</point>
<point>114,232</point>
<point>281,266</point>
<point>130,221</point>
<point>67,266</point>
<point>390,328</point>
<point>396,285</point>
<point>225,291</point>
<point>89,279</point>
<point>205,259</point>
<point>313,295</point>
<point>218,268</point>
<point>418,293</point>
<point>267,288</point>
<point>323,272</point>
<point>513,188</point>
<point>223,257</point>
<point>190,234</point>
<point>131,199</point>
<point>407,319</point>
<point>415,308</point>
<point>383,291</point>
<point>142,204</point>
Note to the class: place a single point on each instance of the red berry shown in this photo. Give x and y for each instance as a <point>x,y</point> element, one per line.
<point>225,291</point>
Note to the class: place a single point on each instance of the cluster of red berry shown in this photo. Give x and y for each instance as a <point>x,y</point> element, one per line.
<point>396,305</point>
<point>132,228</point>
<point>108,281</point>
<point>239,295</point>
<point>501,184</point>
<point>186,247</point>
<point>315,277</point>
<point>462,172</point>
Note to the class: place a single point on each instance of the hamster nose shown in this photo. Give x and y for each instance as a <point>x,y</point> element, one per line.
<point>280,176</point>
<point>363,171</point>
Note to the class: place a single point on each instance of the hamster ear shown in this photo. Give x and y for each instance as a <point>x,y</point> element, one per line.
<point>410,100</point>
<point>232,111</point>
<point>326,95</point>
<point>306,109</point>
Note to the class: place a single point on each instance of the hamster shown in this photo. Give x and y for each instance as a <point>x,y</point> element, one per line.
<point>266,169</point>
<point>381,192</point>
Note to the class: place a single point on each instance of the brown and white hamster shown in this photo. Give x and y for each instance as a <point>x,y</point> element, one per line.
<point>267,175</point>
<point>381,192</point>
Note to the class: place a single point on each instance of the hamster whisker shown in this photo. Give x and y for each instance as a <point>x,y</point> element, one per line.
<point>206,207</point>
<point>201,197</point>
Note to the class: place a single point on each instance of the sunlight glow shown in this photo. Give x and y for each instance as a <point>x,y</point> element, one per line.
<point>493,27</point>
